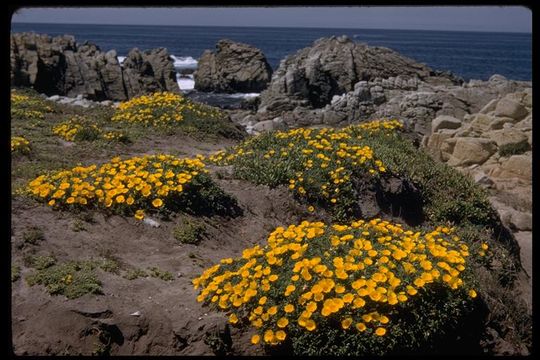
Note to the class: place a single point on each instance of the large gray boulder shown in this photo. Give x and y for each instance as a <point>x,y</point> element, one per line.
<point>233,67</point>
<point>332,66</point>
<point>149,71</point>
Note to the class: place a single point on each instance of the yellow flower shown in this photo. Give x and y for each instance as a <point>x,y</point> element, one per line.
<point>233,319</point>
<point>380,331</point>
<point>255,339</point>
<point>281,335</point>
<point>272,310</point>
<point>361,326</point>
<point>268,336</point>
<point>289,308</point>
<point>310,325</point>
<point>157,202</point>
<point>346,323</point>
<point>70,200</point>
<point>472,293</point>
<point>139,215</point>
<point>283,322</point>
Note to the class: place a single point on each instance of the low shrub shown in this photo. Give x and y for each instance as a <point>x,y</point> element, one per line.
<point>151,183</point>
<point>15,273</point>
<point>160,274</point>
<point>166,110</point>
<point>72,279</point>
<point>78,128</point>
<point>370,287</point>
<point>27,105</point>
<point>319,165</point>
<point>20,145</point>
<point>189,232</point>
<point>514,149</point>
<point>33,235</point>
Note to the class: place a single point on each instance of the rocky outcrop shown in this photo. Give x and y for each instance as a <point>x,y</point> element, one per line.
<point>493,146</point>
<point>333,66</point>
<point>233,67</point>
<point>60,66</point>
<point>478,138</point>
<point>149,71</point>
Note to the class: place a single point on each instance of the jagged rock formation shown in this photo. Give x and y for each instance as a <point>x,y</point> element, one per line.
<point>333,66</point>
<point>60,66</point>
<point>233,67</point>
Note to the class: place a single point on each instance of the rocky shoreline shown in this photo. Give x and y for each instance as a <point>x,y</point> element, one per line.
<point>334,82</point>
<point>481,128</point>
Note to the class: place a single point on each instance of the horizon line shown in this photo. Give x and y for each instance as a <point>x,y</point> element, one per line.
<point>277,26</point>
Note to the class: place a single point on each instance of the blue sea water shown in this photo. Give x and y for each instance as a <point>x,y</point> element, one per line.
<point>471,55</point>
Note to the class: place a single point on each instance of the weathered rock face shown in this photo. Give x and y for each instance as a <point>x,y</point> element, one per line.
<point>474,148</point>
<point>233,67</point>
<point>60,66</point>
<point>149,71</point>
<point>332,66</point>
<point>477,139</point>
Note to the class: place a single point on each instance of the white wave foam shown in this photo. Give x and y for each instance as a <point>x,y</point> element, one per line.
<point>121,59</point>
<point>244,95</point>
<point>184,62</point>
<point>185,82</point>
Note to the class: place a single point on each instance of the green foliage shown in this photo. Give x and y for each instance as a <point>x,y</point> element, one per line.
<point>135,274</point>
<point>205,197</point>
<point>449,195</point>
<point>109,265</point>
<point>160,274</point>
<point>514,149</point>
<point>27,104</point>
<point>40,262</point>
<point>15,272</point>
<point>33,235</point>
<point>211,126</point>
<point>320,166</point>
<point>432,318</point>
<point>72,279</point>
<point>78,225</point>
<point>189,231</point>
<point>88,133</point>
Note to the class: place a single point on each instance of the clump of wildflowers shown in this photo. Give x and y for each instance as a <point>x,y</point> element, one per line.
<point>358,277</point>
<point>20,144</point>
<point>80,128</point>
<point>161,109</point>
<point>131,186</point>
<point>318,165</point>
<point>28,107</point>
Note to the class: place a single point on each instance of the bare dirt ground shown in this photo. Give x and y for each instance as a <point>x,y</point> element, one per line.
<point>143,315</point>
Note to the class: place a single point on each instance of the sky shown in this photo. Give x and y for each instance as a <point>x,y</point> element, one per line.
<point>449,18</point>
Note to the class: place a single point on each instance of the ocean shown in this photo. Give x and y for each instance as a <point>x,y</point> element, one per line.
<point>470,55</point>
